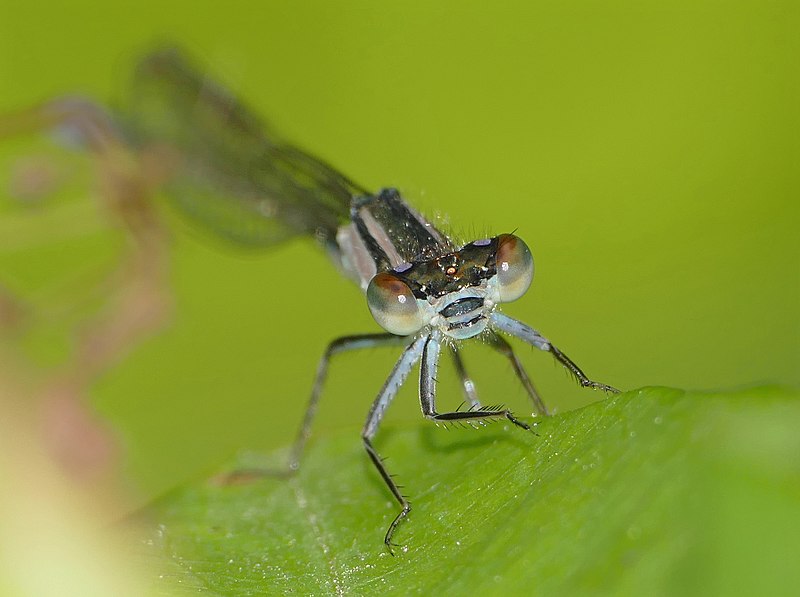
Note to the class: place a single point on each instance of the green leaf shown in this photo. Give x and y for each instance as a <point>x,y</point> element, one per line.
<point>655,491</point>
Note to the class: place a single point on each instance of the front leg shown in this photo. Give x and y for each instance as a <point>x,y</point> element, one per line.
<point>396,378</point>
<point>511,326</point>
<point>503,347</point>
<point>427,393</point>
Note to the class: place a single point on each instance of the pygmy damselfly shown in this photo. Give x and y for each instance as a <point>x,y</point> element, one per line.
<point>227,169</point>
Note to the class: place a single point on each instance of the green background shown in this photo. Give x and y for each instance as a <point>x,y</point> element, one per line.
<point>648,156</point>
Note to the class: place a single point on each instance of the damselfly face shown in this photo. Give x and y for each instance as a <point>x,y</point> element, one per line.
<point>454,293</point>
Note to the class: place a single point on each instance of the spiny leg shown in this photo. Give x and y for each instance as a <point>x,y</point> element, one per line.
<point>467,385</point>
<point>503,347</point>
<point>427,395</point>
<point>340,345</point>
<point>578,374</point>
<point>528,334</point>
<point>396,378</point>
<point>427,392</point>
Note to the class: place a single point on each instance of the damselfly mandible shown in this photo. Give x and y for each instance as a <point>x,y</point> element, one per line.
<point>227,169</point>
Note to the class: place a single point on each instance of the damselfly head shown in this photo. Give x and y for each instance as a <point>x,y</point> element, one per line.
<point>455,292</point>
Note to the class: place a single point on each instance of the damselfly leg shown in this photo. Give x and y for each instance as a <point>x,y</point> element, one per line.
<point>427,350</point>
<point>528,334</point>
<point>503,347</point>
<point>338,346</point>
<point>467,383</point>
<point>390,387</point>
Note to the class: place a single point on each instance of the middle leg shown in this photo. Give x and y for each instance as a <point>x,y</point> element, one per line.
<point>503,347</point>
<point>427,392</point>
<point>467,385</point>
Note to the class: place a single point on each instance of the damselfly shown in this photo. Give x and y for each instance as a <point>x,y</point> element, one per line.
<point>430,294</point>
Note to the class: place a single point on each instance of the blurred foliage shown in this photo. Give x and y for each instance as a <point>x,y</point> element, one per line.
<point>656,492</point>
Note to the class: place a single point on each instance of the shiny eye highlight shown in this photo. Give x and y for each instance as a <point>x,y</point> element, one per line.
<point>514,267</point>
<point>393,305</point>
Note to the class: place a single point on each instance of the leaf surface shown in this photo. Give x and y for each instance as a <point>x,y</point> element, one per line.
<point>655,491</point>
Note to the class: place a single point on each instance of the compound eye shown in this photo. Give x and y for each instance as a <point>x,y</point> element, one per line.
<point>514,267</point>
<point>393,305</point>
